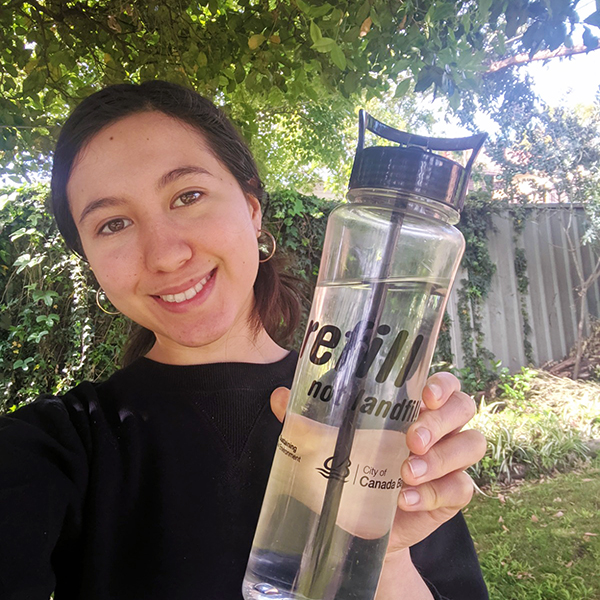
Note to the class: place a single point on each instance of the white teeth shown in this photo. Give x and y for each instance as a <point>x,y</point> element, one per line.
<point>188,294</point>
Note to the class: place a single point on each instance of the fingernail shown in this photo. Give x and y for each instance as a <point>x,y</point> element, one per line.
<point>411,497</point>
<point>435,390</point>
<point>417,466</point>
<point>424,435</point>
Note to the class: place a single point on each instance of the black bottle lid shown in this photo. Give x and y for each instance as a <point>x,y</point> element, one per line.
<point>412,166</point>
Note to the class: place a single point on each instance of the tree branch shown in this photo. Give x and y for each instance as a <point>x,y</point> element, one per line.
<point>522,59</point>
<point>593,275</point>
<point>42,9</point>
<point>573,252</point>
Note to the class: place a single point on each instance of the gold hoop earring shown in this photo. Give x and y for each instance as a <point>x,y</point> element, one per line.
<point>268,247</point>
<point>108,312</point>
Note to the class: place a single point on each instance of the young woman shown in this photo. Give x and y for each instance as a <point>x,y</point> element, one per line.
<point>148,486</point>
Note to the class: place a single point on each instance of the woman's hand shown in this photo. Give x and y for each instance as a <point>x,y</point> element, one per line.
<point>435,485</point>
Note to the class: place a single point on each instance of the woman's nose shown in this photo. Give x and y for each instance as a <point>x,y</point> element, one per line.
<point>165,248</point>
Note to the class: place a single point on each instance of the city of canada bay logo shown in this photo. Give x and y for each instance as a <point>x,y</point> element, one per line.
<point>339,471</point>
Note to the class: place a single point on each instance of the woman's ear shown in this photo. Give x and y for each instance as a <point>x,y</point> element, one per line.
<point>254,210</point>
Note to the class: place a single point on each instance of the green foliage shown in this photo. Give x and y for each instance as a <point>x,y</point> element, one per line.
<point>557,152</point>
<point>298,222</point>
<point>443,356</point>
<point>51,332</point>
<point>514,388</point>
<point>476,221</point>
<point>518,213</point>
<point>523,288</point>
<point>262,58</point>
<point>534,427</point>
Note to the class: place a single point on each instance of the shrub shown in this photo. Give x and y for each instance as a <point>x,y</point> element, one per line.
<point>536,423</point>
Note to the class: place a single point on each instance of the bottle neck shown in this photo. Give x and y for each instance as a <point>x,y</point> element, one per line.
<point>405,201</point>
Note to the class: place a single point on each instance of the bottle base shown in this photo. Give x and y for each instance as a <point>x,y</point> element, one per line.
<point>266,591</point>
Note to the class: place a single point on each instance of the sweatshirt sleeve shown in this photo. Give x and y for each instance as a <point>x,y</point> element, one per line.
<point>448,563</point>
<point>43,477</point>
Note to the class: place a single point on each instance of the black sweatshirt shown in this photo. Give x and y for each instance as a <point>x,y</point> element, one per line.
<point>149,485</point>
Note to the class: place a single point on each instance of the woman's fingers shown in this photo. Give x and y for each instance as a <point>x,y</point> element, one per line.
<point>454,453</point>
<point>438,389</point>
<point>279,401</point>
<point>432,425</point>
<point>453,491</point>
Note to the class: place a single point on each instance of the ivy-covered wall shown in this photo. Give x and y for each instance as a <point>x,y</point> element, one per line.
<point>516,300</point>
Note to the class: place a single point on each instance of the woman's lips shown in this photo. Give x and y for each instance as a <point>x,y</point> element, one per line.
<point>186,294</point>
<point>190,296</point>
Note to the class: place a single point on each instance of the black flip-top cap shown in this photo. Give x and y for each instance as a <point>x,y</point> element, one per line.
<point>412,166</point>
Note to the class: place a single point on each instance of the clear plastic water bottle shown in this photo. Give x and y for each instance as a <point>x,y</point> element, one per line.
<point>389,259</point>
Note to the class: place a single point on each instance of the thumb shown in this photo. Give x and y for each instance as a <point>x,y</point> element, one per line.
<point>279,401</point>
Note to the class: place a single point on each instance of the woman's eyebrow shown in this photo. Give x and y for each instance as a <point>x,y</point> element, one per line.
<point>98,204</point>
<point>180,172</point>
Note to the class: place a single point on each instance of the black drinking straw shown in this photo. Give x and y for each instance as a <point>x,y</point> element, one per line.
<point>318,578</point>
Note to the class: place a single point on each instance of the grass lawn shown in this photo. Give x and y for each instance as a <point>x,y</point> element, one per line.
<point>541,540</point>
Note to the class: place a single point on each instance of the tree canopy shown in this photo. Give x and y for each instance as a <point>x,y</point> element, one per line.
<point>287,70</point>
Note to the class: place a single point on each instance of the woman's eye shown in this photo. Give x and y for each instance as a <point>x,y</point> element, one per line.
<point>114,226</point>
<point>187,198</point>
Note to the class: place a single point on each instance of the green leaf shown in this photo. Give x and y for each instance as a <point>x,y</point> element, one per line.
<point>402,88</point>
<point>6,198</point>
<point>351,82</point>
<point>441,11</point>
<point>454,100</point>
<point>201,60</point>
<point>46,296</point>
<point>483,8</point>
<point>276,96</point>
<point>19,233</point>
<point>320,11</point>
<point>34,82</point>
<point>37,336</point>
<point>22,262</point>
<point>375,17</point>
<point>305,8</point>
<point>425,80</point>
<point>23,364</point>
<point>310,91</point>
<point>338,58</point>
<point>48,320</point>
<point>240,73</point>
<point>352,34</point>
<point>363,12</point>
<point>324,45</point>
<point>315,32</point>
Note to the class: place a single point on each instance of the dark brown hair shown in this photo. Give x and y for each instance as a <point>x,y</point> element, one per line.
<point>278,299</point>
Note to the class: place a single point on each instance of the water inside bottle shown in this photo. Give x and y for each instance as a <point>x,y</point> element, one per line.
<point>385,395</point>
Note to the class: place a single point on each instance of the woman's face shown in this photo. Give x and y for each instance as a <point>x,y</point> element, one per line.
<point>168,232</point>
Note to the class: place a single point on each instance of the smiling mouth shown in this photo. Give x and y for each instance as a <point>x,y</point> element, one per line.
<point>187,294</point>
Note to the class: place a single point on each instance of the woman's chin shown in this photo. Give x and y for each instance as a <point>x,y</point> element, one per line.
<point>216,345</point>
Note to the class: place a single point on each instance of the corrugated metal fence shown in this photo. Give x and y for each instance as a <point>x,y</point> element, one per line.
<point>553,299</point>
